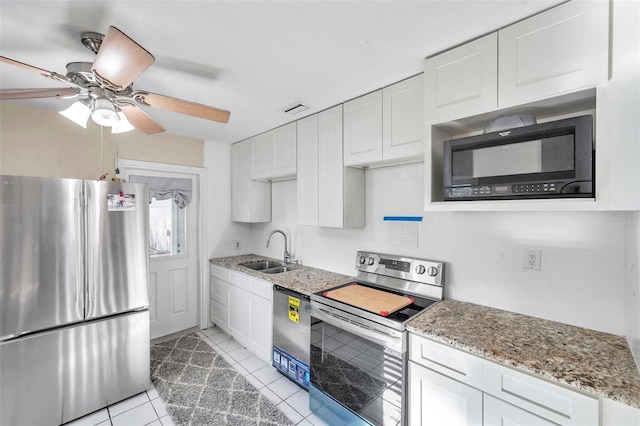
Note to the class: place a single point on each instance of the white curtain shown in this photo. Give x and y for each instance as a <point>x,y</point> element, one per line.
<point>164,188</point>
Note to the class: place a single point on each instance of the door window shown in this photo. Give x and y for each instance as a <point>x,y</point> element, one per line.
<point>167,228</point>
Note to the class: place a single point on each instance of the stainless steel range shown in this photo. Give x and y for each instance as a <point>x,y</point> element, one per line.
<point>359,340</point>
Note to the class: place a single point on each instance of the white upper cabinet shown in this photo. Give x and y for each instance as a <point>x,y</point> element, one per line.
<point>260,164</point>
<point>341,190</point>
<point>329,194</point>
<point>403,120</point>
<point>561,50</point>
<point>386,126</point>
<point>363,129</point>
<point>274,154</point>
<point>307,185</point>
<point>574,59</point>
<point>462,81</point>
<point>250,200</point>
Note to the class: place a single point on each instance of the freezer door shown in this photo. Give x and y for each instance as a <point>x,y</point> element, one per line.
<point>56,376</point>
<point>41,255</point>
<point>117,238</point>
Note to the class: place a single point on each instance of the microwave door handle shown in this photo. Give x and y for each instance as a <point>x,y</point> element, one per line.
<point>388,342</point>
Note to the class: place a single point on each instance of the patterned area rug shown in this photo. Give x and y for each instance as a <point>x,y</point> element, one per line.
<point>199,387</point>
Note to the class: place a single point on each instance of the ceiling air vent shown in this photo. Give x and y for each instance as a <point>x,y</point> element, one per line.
<point>295,108</point>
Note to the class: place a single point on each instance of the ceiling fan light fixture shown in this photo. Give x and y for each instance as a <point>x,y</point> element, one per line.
<point>104,113</point>
<point>123,125</point>
<point>78,113</point>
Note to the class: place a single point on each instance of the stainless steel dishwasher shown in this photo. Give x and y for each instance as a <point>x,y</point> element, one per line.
<point>291,334</point>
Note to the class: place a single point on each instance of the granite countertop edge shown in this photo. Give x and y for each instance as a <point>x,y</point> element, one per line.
<point>302,279</point>
<point>576,376</point>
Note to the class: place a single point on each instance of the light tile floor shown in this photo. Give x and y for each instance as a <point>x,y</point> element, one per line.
<point>147,408</point>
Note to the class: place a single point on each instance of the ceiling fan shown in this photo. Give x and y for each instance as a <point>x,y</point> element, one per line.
<point>104,88</point>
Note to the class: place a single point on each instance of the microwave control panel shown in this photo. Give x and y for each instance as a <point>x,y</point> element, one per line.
<point>501,190</point>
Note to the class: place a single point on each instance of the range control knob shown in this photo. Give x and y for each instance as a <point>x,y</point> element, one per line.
<point>420,269</point>
<point>362,260</point>
<point>432,271</point>
<point>371,261</point>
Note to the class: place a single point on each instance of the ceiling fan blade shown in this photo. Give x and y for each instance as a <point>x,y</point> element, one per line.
<point>184,107</point>
<point>120,60</point>
<point>63,93</point>
<point>141,119</point>
<point>26,66</point>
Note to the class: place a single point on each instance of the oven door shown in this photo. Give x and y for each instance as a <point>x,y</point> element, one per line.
<point>357,369</point>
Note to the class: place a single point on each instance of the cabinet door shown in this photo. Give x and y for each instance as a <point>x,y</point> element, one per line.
<point>557,51</point>
<point>260,328</point>
<point>241,181</point>
<point>283,152</point>
<point>435,399</point>
<point>238,313</point>
<point>462,81</point>
<point>403,119</point>
<point>499,413</point>
<point>363,129</point>
<point>330,168</point>
<point>307,185</point>
<point>250,200</point>
<point>260,156</point>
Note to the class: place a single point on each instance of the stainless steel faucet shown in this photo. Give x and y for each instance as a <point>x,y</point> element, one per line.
<point>287,256</point>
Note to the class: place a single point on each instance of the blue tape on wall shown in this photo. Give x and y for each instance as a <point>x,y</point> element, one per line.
<point>404,218</point>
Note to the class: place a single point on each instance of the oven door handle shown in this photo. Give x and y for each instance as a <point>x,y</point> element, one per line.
<point>388,342</point>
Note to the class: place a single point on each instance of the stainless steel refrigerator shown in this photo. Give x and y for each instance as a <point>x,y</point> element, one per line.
<point>74,318</point>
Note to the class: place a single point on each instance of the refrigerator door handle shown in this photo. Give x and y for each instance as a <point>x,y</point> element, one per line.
<point>80,249</point>
<point>88,239</point>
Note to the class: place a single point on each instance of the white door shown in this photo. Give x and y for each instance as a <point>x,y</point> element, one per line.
<point>173,263</point>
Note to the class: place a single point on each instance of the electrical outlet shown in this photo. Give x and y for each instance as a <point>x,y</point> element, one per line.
<point>532,259</point>
<point>237,245</point>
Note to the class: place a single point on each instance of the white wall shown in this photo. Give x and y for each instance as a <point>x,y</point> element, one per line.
<point>221,232</point>
<point>583,254</point>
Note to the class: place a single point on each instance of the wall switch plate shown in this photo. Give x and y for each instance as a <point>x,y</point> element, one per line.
<point>532,259</point>
<point>237,245</point>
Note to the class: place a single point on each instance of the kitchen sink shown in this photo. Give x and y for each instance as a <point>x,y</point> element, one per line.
<point>277,270</point>
<point>261,265</point>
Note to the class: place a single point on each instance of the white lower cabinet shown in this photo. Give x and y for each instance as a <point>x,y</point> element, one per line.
<point>435,399</point>
<point>242,306</point>
<point>452,387</point>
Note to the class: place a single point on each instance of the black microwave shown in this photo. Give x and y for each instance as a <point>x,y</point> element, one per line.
<point>548,160</point>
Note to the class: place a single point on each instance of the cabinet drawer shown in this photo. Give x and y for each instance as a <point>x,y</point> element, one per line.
<point>218,314</point>
<point>239,280</point>
<point>499,413</point>
<point>453,363</point>
<point>219,272</point>
<point>547,400</point>
<point>218,291</point>
<point>261,288</point>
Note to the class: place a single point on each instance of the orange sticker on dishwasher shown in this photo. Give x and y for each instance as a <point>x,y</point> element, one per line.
<point>294,309</point>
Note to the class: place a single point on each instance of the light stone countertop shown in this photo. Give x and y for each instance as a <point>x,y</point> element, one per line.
<point>304,279</point>
<point>589,360</point>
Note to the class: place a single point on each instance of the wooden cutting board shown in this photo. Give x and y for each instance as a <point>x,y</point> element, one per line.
<point>369,299</point>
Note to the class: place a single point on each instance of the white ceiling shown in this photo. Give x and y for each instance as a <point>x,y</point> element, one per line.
<point>250,57</point>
